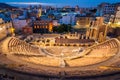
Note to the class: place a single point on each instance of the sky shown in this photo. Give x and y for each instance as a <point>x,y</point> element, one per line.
<point>81,3</point>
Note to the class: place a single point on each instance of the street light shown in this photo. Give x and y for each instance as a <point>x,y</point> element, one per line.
<point>12,30</point>
<point>118,23</point>
<point>109,23</point>
<point>1,29</point>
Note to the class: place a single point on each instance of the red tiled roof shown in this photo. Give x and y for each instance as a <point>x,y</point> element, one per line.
<point>62,40</point>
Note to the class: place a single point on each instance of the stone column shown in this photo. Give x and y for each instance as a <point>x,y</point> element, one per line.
<point>87,33</point>
<point>91,33</point>
<point>82,37</point>
<point>101,37</point>
<point>105,33</point>
<point>95,34</point>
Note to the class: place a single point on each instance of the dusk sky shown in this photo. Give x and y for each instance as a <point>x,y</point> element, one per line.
<point>82,3</point>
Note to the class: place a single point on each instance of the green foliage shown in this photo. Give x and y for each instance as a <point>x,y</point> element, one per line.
<point>62,28</point>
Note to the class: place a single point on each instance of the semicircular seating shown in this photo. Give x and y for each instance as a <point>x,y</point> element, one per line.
<point>21,47</point>
<point>100,53</point>
<point>96,54</point>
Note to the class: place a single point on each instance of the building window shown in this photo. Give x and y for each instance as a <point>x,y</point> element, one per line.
<point>35,27</point>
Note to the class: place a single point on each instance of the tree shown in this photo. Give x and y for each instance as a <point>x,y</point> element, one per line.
<point>62,28</point>
<point>93,10</point>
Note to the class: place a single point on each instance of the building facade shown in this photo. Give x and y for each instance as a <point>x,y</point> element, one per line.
<point>117,15</point>
<point>27,30</point>
<point>107,9</point>
<point>82,21</point>
<point>42,26</point>
<point>19,24</point>
<point>68,19</point>
<point>5,28</point>
<point>97,30</point>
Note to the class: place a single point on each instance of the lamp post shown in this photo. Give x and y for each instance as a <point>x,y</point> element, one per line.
<point>12,31</point>
<point>118,24</point>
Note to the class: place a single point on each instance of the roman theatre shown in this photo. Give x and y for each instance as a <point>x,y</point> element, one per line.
<point>59,58</point>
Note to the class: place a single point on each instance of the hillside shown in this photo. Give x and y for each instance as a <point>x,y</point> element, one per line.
<point>4,5</point>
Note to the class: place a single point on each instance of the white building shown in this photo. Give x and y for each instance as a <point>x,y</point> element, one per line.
<point>68,19</point>
<point>115,19</point>
<point>55,23</point>
<point>117,16</point>
<point>19,24</point>
<point>106,10</point>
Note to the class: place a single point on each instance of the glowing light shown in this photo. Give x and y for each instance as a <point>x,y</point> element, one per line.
<point>118,23</point>
<point>1,29</point>
<point>109,22</point>
<point>12,30</point>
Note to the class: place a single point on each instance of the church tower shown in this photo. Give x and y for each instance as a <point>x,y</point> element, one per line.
<point>39,11</point>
